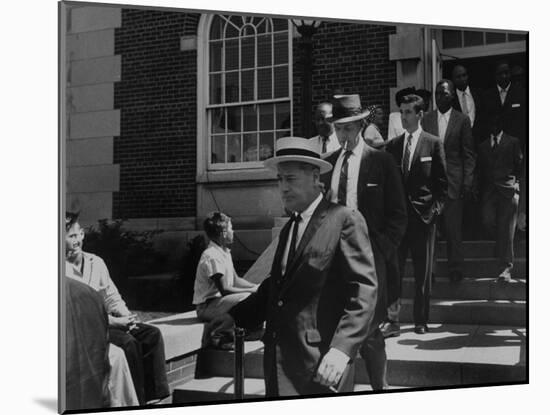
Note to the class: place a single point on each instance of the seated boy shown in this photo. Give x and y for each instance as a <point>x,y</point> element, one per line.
<point>217,285</point>
<point>142,343</point>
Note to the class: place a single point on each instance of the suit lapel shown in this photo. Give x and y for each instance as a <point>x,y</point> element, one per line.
<point>364,170</point>
<point>417,149</point>
<point>278,257</point>
<point>311,229</point>
<point>452,123</point>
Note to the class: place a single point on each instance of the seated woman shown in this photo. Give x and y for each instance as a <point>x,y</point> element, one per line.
<point>375,120</point>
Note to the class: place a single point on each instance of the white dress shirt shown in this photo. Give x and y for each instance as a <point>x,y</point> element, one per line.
<point>302,225</point>
<point>503,92</point>
<point>332,144</point>
<point>414,142</point>
<point>354,163</point>
<point>499,138</point>
<point>443,122</point>
<point>466,97</point>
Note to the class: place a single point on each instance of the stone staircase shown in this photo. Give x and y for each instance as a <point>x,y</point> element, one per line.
<point>477,336</point>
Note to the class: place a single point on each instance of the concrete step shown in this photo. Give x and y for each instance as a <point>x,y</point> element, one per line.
<point>486,312</point>
<point>222,388</point>
<point>447,355</point>
<point>480,249</point>
<point>475,268</point>
<point>471,289</point>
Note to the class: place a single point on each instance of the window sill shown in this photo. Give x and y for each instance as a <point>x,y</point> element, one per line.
<point>238,175</point>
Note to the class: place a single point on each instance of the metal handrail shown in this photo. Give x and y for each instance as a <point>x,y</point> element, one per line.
<point>239,363</point>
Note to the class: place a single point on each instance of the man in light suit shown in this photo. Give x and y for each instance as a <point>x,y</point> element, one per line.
<point>367,180</point>
<point>454,129</point>
<point>468,101</point>
<point>421,159</point>
<point>326,140</point>
<point>319,299</point>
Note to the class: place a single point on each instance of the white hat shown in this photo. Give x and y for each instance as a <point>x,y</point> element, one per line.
<point>297,149</point>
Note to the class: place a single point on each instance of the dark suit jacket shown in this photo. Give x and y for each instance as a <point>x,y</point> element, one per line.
<point>325,299</point>
<point>478,128</point>
<point>458,143</point>
<point>501,168</point>
<point>513,112</point>
<point>426,184</point>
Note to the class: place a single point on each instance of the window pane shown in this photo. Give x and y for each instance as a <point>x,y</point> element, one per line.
<point>247,52</point>
<point>282,116</point>
<point>247,91</point>
<point>232,87</point>
<point>495,37</point>
<point>452,39</point>
<point>281,82</point>
<point>216,28</point>
<point>266,117</point>
<point>281,134</point>
<point>250,120</point>
<point>264,84</point>
<point>263,26</point>
<point>514,37</point>
<point>281,48</point>
<point>234,148</point>
<point>217,121</point>
<point>230,30</point>
<point>279,24</point>
<point>250,142</point>
<point>215,89</point>
<point>248,31</point>
<point>218,149</point>
<point>473,38</point>
<point>266,145</point>
<point>264,50</point>
<point>234,119</point>
<point>231,54</point>
<point>216,56</point>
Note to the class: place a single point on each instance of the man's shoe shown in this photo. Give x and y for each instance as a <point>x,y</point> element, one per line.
<point>390,329</point>
<point>506,275</point>
<point>420,329</point>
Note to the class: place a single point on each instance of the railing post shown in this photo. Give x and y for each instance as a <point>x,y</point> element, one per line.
<point>239,363</point>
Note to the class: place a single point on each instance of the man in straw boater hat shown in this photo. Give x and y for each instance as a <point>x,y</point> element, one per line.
<point>368,180</point>
<point>319,299</point>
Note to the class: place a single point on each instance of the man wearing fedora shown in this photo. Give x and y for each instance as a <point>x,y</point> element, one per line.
<point>367,180</point>
<point>421,159</point>
<point>319,299</point>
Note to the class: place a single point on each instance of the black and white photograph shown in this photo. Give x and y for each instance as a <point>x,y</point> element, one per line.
<point>249,208</point>
<point>265,206</point>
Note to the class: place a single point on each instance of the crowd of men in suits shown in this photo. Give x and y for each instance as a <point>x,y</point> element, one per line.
<point>355,213</point>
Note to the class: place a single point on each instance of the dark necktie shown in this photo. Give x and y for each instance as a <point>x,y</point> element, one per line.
<point>295,220</point>
<point>407,156</point>
<point>324,148</point>
<point>343,182</point>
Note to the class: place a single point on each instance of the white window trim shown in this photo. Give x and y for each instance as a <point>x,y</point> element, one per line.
<point>237,171</point>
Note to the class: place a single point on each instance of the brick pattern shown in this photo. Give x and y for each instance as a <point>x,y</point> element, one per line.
<point>349,57</point>
<point>156,148</point>
<point>181,369</point>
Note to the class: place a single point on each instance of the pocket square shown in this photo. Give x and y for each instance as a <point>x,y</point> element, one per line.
<point>423,159</point>
<point>516,105</point>
<point>372,184</point>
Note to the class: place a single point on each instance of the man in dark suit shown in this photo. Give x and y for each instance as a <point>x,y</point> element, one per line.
<point>500,168</point>
<point>454,129</point>
<point>421,159</point>
<point>367,180</point>
<point>468,101</point>
<point>319,299</point>
<point>508,101</point>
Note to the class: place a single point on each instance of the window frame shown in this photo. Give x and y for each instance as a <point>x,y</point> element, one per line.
<point>239,170</point>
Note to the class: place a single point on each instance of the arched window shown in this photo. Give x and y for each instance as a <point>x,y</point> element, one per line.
<point>248,82</point>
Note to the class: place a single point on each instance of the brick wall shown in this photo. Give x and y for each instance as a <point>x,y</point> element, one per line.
<point>181,369</point>
<point>156,149</point>
<point>349,57</point>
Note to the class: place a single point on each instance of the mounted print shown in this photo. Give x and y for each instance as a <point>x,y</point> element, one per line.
<point>259,207</point>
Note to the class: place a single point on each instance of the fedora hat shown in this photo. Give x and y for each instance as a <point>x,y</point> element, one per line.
<point>347,108</point>
<point>297,149</point>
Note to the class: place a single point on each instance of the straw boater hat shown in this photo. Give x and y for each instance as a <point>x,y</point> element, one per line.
<point>297,149</point>
<point>347,108</point>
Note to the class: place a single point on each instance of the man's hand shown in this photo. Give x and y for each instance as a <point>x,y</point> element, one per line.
<point>331,368</point>
<point>122,322</point>
<point>522,221</point>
